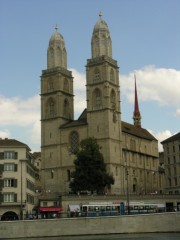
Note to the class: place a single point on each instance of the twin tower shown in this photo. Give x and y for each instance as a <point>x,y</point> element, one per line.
<point>60,133</point>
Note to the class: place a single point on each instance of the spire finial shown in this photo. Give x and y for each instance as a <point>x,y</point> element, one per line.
<point>56,28</point>
<point>100,14</point>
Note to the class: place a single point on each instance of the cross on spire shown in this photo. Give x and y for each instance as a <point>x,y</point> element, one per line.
<point>56,28</point>
<point>100,14</point>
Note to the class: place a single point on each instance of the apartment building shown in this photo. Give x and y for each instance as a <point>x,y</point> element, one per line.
<point>17,180</point>
<point>171,148</point>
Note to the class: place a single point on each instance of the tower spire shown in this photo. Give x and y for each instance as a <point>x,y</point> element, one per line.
<point>137,115</point>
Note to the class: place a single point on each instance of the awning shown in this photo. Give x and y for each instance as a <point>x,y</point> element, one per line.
<point>74,207</point>
<point>50,209</point>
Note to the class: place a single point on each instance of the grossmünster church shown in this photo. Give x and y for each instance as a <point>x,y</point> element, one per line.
<point>130,151</point>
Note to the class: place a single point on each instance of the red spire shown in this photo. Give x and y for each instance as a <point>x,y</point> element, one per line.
<point>137,115</point>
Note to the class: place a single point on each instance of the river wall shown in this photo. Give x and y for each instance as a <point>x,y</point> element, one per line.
<point>161,222</point>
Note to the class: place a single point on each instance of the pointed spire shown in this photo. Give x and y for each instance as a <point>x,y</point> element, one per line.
<point>137,115</point>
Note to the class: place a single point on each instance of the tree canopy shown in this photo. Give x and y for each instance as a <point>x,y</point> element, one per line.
<point>90,170</point>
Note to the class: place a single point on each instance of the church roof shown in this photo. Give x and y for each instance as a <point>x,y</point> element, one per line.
<point>82,120</point>
<point>137,131</point>
<point>173,138</point>
<point>126,127</point>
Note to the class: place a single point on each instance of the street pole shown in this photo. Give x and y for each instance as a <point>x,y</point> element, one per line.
<point>21,211</point>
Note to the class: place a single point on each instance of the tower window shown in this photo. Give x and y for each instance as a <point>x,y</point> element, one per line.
<point>66,108</point>
<point>97,99</point>
<point>50,84</point>
<point>112,79</point>
<point>113,100</point>
<point>51,108</point>
<point>66,85</point>
<point>97,76</point>
<point>74,141</point>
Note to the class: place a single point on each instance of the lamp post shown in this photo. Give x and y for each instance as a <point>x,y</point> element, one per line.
<point>21,210</point>
<point>127,181</point>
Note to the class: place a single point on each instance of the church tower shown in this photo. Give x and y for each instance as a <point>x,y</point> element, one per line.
<point>103,98</point>
<point>56,108</point>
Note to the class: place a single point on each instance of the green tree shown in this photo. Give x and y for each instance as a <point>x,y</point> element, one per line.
<point>90,170</point>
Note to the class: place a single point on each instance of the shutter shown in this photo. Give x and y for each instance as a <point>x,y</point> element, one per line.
<point>1,155</point>
<point>15,197</point>
<point>15,167</point>
<point>1,198</point>
<point>1,184</point>
<point>1,168</point>
<point>15,183</point>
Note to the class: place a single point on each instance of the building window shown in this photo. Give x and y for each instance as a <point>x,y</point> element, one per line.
<point>52,174</point>
<point>168,160</point>
<point>175,181</point>
<point>174,158</point>
<point>10,182</point>
<point>74,141</point>
<point>173,148</point>
<point>10,167</point>
<point>169,182</point>
<point>68,175</point>
<point>9,197</point>
<point>10,155</point>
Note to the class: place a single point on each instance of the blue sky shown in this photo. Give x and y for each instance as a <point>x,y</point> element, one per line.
<point>146,41</point>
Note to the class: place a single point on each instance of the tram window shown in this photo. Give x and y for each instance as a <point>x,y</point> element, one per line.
<point>147,207</point>
<point>108,208</point>
<point>97,208</point>
<point>91,209</point>
<point>84,209</point>
<point>103,208</point>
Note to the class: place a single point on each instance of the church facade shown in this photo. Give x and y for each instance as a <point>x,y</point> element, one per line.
<point>130,151</point>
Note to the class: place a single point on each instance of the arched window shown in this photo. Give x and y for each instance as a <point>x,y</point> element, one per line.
<point>97,76</point>
<point>50,84</point>
<point>103,45</point>
<point>66,111</point>
<point>112,79</point>
<point>97,99</point>
<point>50,108</point>
<point>66,85</point>
<point>74,142</point>
<point>113,99</point>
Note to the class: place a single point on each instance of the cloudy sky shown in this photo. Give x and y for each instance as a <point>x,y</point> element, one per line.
<point>145,39</point>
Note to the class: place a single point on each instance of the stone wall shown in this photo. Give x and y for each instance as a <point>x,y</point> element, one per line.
<point>162,222</point>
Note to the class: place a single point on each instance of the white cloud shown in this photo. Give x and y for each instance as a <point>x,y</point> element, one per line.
<point>161,136</point>
<point>5,133</point>
<point>79,92</point>
<point>154,84</point>
<point>19,112</point>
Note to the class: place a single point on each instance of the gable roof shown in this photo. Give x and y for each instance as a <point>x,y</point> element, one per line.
<point>137,131</point>
<point>12,143</point>
<point>172,138</point>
